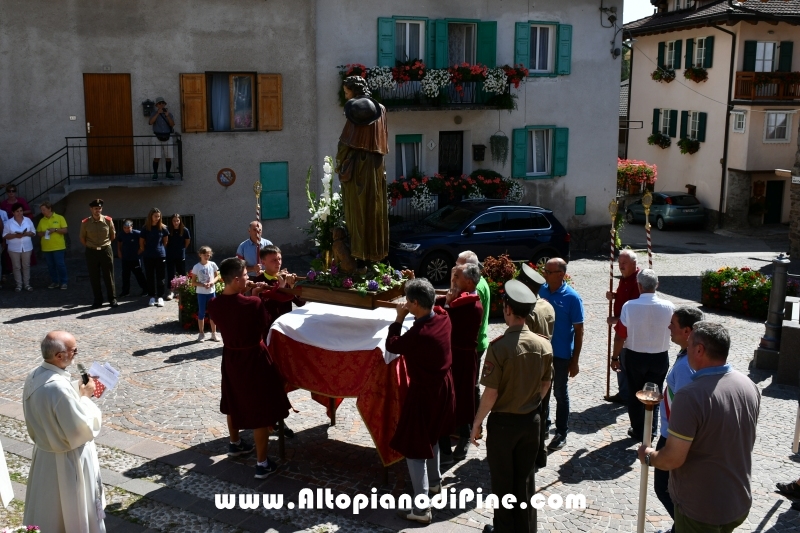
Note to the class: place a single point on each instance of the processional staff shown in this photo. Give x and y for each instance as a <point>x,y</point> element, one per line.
<point>612,210</point>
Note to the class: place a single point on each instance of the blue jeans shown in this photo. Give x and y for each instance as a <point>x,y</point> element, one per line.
<point>622,378</point>
<point>560,391</point>
<point>56,266</point>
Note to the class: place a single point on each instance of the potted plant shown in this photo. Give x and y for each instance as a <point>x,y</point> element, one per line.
<point>497,271</point>
<point>631,175</point>
<point>660,140</point>
<point>689,146</point>
<point>663,75</point>
<point>696,74</point>
<point>498,146</point>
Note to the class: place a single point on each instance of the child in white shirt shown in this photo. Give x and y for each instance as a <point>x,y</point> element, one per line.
<point>206,275</point>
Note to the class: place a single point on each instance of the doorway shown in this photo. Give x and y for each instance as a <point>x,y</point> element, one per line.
<point>774,202</point>
<point>109,124</point>
<point>451,153</point>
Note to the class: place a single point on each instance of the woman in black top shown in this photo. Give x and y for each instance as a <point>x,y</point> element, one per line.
<point>179,240</point>
<point>152,246</point>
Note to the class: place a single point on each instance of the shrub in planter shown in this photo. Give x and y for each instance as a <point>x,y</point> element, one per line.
<point>632,173</point>
<point>741,290</point>
<point>663,75</point>
<point>689,146</point>
<point>696,74</point>
<point>186,294</point>
<point>660,140</point>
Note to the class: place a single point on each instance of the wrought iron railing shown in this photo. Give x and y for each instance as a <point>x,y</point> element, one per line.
<point>410,94</point>
<point>84,158</point>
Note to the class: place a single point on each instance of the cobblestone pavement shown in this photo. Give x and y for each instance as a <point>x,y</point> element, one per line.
<point>164,438</point>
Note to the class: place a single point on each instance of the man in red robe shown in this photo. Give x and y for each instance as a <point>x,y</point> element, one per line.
<point>252,388</point>
<point>463,305</point>
<point>628,289</point>
<point>429,408</point>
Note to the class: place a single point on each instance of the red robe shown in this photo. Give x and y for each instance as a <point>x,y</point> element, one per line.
<point>466,317</point>
<point>277,303</point>
<point>429,408</point>
<point>252,387</point>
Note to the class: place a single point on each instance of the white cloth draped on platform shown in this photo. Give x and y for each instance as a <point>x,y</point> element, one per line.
<point>64,492</point>
<point>338,328</point>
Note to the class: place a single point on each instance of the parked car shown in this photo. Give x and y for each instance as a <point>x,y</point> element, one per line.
<point>487,227</point>
<point>669,209</point>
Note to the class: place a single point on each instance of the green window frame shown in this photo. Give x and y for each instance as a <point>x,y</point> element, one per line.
<point>562,53</point>
<point>693,125</point>
<point>274,179</point>
<point>558,152</point>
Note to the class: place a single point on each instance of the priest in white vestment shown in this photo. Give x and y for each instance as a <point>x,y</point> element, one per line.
<point>64,492</point>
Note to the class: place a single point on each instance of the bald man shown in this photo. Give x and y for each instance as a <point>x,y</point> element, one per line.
<point>250,248</point>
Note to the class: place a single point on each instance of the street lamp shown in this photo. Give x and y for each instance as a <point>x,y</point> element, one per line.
<point>257,190</point>
<point>647,201</point>
<point>612,210</point>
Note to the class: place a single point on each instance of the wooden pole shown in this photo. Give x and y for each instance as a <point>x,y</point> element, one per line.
<point>612,209</point>
<point>650,400</point>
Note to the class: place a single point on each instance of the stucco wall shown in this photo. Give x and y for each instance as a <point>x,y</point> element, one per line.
<point>586,101</point>
<point>45,48</point>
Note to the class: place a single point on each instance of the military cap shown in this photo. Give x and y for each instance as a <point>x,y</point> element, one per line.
<point>362,110</point>
<point>529,275</point>
<point>519,292</point>
<point>96,203</point>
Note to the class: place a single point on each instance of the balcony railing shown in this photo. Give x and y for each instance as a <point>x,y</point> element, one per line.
<point>464,95</point>
<point>758,86</point>
<point>84,158</point>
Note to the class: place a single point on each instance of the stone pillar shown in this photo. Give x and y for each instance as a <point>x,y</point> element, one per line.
<point>767,354</point>
<point>737,203</point>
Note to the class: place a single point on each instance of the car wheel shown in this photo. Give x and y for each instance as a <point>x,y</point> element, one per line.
<point>629,216</point>
<point>436,267</point>
<point>660,224</point>
<point>541,259</point>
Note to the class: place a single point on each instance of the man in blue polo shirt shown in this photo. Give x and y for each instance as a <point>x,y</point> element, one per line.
<point>567,342</point>
<point>249,250</point>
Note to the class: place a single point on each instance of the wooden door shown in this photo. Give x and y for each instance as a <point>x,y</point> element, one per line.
<point>109,123</point>
<point>774,202</point>
<point>451,153</point>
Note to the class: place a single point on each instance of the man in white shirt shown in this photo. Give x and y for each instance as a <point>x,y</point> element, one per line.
<point>643,330</point>
<point>64,492</point>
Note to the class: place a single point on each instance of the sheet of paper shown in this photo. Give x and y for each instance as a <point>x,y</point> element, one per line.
<point>107,375</point>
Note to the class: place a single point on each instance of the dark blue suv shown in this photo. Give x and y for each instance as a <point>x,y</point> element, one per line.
<point>487,227</point>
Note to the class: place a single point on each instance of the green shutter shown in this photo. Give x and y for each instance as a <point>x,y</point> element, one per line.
<point>684,124</point>
<point>689,53</point>
<point>750,56</point>
<point>673,122</point>
<point>522,44</point>
<point>785,56</point>
<point>678,51</point>
<point>408,139</point>
<point>564,49</point>
<point>441,56</point>
<point>275,190</point>
<point>385,42</point>
<point>486,54</point>
<point>519,152</point>
<point>430,43</point>
<point>656,120</point>
<point>708,55</point>
<point>662,49</point>
<point>560,150</point>
<point>580,205</point>
<point>702,118</point>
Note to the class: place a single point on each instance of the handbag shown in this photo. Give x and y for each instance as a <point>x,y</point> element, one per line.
<point>163,137</point>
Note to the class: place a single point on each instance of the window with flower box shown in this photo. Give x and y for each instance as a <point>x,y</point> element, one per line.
<point>669,54</point>
<point>693,125</point>
<point>539,152</point>
<point>665,122</point>
<point>543,47</point>
<point>700,52</point>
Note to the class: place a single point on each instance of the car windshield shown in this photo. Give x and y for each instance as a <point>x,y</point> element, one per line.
<point>448,218</point>
<point>684,200</point>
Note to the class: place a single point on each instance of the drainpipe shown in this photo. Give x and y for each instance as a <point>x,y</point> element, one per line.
<point>729,108</point>
<point>630,92</point>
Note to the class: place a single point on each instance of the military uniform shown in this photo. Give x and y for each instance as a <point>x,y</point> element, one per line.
<point>516,365</point>
<point>97,235</point>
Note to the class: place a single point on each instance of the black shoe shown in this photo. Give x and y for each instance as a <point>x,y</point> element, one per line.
<point>97,305</point>
<point>488,529</point>
<point>243,448</point>
<point>114,303</point>
<point>287,433</point>
<point>263,472</point>
<point>558,442</point>
<point>790,489</point>
<point>170,176</point>
<point>617,399</point>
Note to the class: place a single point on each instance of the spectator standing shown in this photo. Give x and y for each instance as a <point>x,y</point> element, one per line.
<point>64,491</point>
<point>11,199</point>
<point>249,249</point>
<point>163,123</point>
<point>206,276</point>
<point>152,245</point>
<point>18,232</point>
<point>52,228</point>
<point>179,239</point>
<point>428,411</point>
<point>680,327</point>
<point>517,373</point>
<point>643,329</point>
<point>712,430</point>
<point>627,289</point>
<point>567,343</point>
<point>128,253</point>
<point>97,232</point>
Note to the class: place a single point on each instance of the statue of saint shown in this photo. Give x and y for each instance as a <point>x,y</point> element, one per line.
<point>359,163</point>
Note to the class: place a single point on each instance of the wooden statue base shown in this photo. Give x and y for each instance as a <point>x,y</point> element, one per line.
<point>347,297</point>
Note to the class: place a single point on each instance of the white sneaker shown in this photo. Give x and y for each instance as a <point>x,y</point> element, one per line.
<point>408,514</point>
<point>160,302</point>
<point>215,338</point>
<point>152,302</point>
<point>201,337</point>
<point>169,297</point>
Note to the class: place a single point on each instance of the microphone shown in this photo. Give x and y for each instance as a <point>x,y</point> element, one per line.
<point>84,375</point>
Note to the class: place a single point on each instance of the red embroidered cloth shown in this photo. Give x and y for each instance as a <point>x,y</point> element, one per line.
<point>380,389</point>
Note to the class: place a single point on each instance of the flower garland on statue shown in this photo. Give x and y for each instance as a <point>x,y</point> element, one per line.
<point>423,199</point>
<point>327,210</point>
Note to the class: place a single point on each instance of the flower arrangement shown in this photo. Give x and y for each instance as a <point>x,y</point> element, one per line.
<point>689,146</point>
<point>515,74</point>
<point>378,277</point>
<point>767,78</point>
<point>422,200</point>
<point>663,75</point>
<point>516,192</point>
<point>660,140</point>
<point>741,290</point>
<point>496,81</point>
<point>186,294</point>
<point>20,529</point>
<point>696,74</point>
<point>433,82</point>
<point>474,193</point>
<point>497,271</point>
<point>327,210</point>
<point>380,78</point>
<point>488,183</point>
<point>632,172</point>
<point>412,70</point>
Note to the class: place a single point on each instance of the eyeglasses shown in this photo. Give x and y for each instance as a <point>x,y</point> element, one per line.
<point>70,351</point>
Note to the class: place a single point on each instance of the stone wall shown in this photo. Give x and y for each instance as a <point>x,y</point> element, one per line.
<point>738,200</point>
<point>593,239</point>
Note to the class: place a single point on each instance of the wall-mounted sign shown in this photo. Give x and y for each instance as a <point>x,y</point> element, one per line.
<point>796,179</point>
<point>226,177</point>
